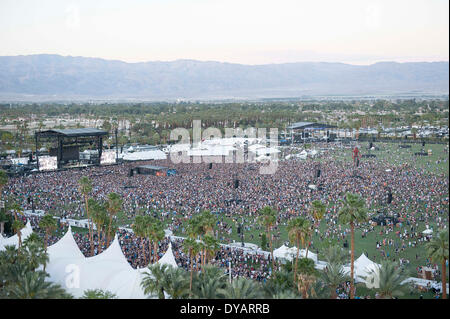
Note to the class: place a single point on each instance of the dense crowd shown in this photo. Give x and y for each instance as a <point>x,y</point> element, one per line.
<point>417,197</point>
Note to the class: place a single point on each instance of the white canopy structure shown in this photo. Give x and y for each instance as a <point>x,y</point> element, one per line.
<point>177,148</point>
<point>427,231</point>
<point>14,240</point>
<point>283,252</point>
<point>290,253</point>
<point>364,267</point>
<point>144,156</point>
<point>313,153</point>
<point>211,150</point>
<point>108,270</point>
<point>233,141</point>
<point>302,155</point>
<point>168,258</point>
<point>266,150</point>
<point>64,257</point>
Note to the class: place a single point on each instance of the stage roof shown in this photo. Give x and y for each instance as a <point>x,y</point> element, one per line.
<point>73,132</point>
<point>304,125</point>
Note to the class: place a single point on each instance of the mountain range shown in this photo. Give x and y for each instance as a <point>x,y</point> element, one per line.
<point>60,77</point>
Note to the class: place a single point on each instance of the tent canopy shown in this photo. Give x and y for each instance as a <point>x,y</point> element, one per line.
<point>14,240</point>
<point>108,270</point>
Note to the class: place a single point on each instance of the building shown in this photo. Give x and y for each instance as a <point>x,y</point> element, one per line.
<point>302,131</point>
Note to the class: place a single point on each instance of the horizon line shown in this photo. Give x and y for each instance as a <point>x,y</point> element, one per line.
<point>224,62</point>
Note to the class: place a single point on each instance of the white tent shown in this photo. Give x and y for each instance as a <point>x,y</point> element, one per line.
<point>313,153</point>
<point>290,253</point>
<point>144,156</point>
<point>302,155</point>
<point>64,258</point>
<point>211,150</point>
<point>231,141</point>
<point>66,247</point>
<point>108,270</point>
<point>168,258</point>
<point>425,283</point>
<point>266,150</point>
<point>14,240</point>
<point>364,267</point>
<point>283,252</point>
<point>178,148</point>
<point>302,254</point>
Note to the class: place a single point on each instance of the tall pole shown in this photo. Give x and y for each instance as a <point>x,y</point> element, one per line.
<point>117,146</point>
<point>242,232</point>
<point>100,146</point>
<point>37,149</point>
<point>229,269</point>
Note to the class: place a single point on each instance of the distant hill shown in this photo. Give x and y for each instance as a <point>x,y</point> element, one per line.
<point>58,76</point>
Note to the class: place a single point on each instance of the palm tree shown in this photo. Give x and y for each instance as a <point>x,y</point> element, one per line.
<point>48,223</point>
<point>85,187</point>
<point>280,283</point>
<point>152,283</point>
<point>165,279</point>
<point>284,294</point>
<point>353,211</point>
<point>267,219</point>
<point>17,226</point>
<point>32,285</point>
<point>176,283</point>
<point>191,247</point>
<point>212,246</point>
<point>98,294</point>
<point>3,219</point>
<point>241,288</point>
<point>389,278</point>
<point>3,182</point>
<point>208,282</point>
<point>34,252</point>
<point>306,277</point>
<point>147,225</point>
<point>16,209</point>
<point>209,289</point>
<point>332,276</point>
<point>297,231</point>
<point>206,223</point>
<point>336,255</point>
<point>317,210</point>
<point>156,235</point>
<point>437,249</point>
<point>99,217</point>
<point>113,206</point>
<point>139,229</point>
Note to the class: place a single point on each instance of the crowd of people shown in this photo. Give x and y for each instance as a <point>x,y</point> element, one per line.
<point>418,197</point>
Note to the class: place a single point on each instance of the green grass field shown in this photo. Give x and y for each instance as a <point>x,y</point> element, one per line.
<point>437,163</point>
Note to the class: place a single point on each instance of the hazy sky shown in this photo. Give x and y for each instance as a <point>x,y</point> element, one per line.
<point>239,31</point>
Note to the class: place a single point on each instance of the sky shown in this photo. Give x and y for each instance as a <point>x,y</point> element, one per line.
<point>236,31</point>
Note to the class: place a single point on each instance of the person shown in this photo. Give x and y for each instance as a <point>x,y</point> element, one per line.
<point>356,156</point>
